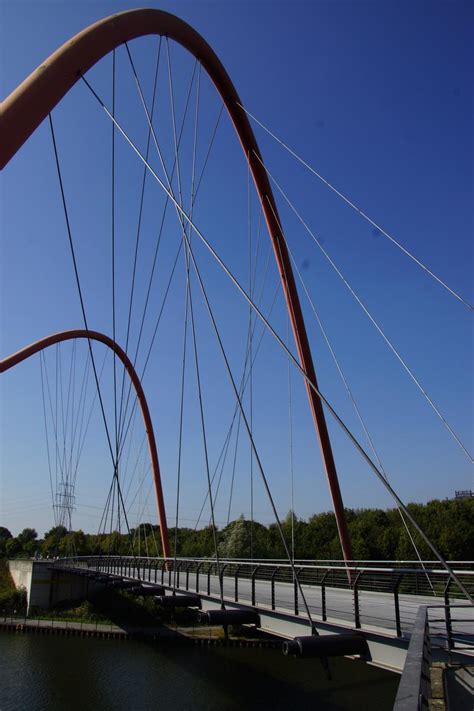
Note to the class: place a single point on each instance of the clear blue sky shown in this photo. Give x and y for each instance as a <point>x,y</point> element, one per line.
<point>378,98</point>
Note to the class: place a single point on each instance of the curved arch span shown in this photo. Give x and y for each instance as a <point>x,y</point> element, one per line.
<point>43,343</point>
<point>31,102</point>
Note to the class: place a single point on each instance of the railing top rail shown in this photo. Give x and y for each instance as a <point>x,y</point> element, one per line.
<point>413,690</point>
<point>270,564</point>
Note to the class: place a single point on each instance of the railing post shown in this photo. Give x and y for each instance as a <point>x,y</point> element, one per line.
<point>187,576</point>
<point>197,576</point>
<point>163,568</point>
<point>221,577</point>
<point>356,599</point>
<point>273,587</point>
<point>254,572</point>
<point>209,578</point>
<point>323,596</point>
<point>447,614</point>
<point>236,584</point>
<point>397,604</point>
<point>295,590</point>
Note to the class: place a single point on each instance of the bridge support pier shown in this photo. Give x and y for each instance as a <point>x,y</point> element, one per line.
<point>44,586</point>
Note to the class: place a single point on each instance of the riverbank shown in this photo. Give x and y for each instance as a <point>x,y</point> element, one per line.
<point>203,636</point>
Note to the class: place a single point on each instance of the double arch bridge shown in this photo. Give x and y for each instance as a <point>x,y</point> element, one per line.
<point>378,601</point>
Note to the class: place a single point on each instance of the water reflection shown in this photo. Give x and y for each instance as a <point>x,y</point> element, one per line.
<point>49,672</point>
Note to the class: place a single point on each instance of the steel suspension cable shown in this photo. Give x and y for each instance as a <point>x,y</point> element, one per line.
<point>250,344</point>
<point>112,225</point>
<point>290,441</point>
<point>173,122</point>
<point>57,458</point>
<point>181,415</point>
<point>191,208</point>
<point>359,211</point>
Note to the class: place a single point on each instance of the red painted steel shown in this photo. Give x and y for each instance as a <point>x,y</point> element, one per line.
<point>31,102</point>
<point>43,343</point>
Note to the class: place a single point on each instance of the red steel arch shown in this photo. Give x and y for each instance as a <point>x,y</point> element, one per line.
<point>31,102</point>
<point>43,343</point>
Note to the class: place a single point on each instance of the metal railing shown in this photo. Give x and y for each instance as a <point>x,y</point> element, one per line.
<point>333,591</point>
<point>414,690</point>
<point>429,634</point>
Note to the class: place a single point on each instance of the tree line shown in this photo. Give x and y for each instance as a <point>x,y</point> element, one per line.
<point>376,534</point>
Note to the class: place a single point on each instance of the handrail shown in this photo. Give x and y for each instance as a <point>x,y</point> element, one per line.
<point>267,564</point>
<point>414,689</point>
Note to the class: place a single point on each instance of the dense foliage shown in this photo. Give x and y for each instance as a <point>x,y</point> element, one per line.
<point>376,535</point>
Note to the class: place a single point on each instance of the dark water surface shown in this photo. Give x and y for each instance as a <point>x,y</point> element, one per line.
<point>49,672</point>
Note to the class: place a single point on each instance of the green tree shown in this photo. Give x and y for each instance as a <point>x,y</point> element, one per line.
<point>4,533</point>
<point>13,548</point>
<point>52,540</point>
<point>236,539</point>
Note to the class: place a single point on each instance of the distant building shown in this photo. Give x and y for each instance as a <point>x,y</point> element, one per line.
<point>464,494</point>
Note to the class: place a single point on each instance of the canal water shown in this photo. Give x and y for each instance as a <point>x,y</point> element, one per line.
<point>75,673</point>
